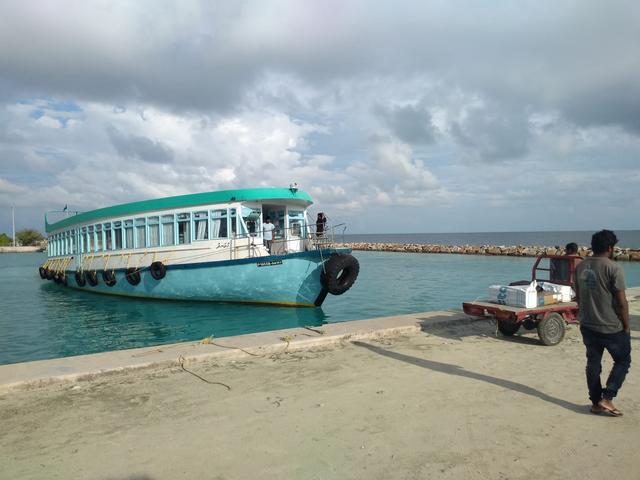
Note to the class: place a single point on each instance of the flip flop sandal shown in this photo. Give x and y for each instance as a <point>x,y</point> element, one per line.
<point>596,409</point>
<point>614,412</point>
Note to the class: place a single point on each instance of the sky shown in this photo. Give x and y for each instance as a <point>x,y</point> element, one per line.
<point>396,116</point>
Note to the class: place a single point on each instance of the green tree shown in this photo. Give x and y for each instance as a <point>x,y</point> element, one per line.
<point>5,240</point>
<point>29,237</point>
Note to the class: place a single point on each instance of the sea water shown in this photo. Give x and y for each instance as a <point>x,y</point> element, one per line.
<point>40,320</point>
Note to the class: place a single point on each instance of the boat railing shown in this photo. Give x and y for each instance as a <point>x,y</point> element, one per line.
<point>297,238</point>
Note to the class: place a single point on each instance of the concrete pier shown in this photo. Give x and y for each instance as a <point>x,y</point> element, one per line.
<point>428,395</point>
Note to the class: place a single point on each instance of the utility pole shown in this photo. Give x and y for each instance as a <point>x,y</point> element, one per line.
<point>13,223</point>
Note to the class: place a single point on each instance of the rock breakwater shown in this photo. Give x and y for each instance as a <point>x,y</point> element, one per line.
<point>626,254</point>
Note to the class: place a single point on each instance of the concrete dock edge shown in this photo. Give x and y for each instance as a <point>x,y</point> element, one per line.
<point>35,374</point>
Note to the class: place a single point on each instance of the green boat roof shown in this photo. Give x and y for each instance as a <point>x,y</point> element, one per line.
<point>182,201</point>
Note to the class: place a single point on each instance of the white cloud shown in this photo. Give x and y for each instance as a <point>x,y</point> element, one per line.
<point>452,109</point>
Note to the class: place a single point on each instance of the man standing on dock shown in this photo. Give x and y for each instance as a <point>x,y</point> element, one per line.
<point>604,320</point>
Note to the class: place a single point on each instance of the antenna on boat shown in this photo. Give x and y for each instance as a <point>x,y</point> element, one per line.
<point>293,187</point>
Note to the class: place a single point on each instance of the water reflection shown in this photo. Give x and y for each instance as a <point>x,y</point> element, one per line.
<point>94,323</point>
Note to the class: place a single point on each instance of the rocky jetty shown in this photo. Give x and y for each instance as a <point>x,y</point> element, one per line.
<point>627,254</point>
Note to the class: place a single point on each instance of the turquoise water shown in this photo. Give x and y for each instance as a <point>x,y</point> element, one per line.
<point>40,320</point>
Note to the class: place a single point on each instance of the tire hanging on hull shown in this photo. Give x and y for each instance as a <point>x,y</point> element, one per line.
<point>92,278</point>
<point>339,273</point>
<point>158,270</point>
<point>132,275</point>
<point>109,278</point>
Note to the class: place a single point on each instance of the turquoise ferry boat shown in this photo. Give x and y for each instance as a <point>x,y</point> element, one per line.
<point>207,246</point>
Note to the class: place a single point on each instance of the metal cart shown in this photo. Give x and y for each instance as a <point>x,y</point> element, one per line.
<point>549,320</point>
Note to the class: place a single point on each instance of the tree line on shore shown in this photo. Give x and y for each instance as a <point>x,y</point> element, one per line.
<point>24,238</point>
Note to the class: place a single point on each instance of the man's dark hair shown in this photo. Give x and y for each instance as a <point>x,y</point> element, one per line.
<point>571,248</point>
<point>602,240</point>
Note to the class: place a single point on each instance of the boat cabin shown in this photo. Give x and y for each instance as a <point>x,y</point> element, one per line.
<point>229,223</point>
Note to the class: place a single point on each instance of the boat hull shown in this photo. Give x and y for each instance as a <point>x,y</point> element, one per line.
<point>291,280</point>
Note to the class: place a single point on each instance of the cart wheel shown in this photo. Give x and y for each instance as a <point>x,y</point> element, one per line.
<point>508,327</point>
<point>551,329</point>
<point>529,323</point>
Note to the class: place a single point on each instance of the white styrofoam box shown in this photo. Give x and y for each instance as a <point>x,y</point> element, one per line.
<point>515,295</point>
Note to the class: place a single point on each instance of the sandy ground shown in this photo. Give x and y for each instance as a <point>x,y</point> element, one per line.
<point>455,401</point>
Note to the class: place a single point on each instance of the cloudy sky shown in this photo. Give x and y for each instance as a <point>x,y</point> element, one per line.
<point>407,116</point>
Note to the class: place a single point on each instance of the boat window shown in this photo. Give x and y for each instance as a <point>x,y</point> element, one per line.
<point>184,224</point>
<point>168,230</point>
<point>128,234</point>
<point>201,225</point>
<point>278,221</point>
<point>90,239</point>
<point>72,238</point>
<point>232,222</point>
<point>117,235</point>
<point>296,222</point>
<point>154,231</point>
<point>251,219</point>
<point>99,239</point>
<point>83,240</point>
<point>219,224</point>
<point>141,241</point>
<point>108,236</point>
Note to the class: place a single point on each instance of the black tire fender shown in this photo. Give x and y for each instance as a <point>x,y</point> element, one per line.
<point>508,327</point>
<point>92,278</point>
<point>109,278</point>
<point>158,270</point>
<point>81,281</point>
<point>132,275</point>
<point>43,273</point>
<point>49,274</point>
<point>339,273</point>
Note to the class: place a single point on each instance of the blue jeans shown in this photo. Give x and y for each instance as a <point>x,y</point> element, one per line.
<point>619,347</point>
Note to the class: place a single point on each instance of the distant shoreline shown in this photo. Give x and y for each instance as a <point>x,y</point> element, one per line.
<point>624,254</point>
<point>21,249</point>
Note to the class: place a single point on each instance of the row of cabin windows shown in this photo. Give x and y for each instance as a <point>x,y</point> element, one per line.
<point>154,231</point>
<point>166,230</point>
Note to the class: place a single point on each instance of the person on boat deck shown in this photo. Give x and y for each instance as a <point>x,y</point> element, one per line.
<point>267,233</point>
<point>321,221</point>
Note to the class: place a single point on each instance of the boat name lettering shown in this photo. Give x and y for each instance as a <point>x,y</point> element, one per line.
<point>270,263</point>
<point>223,245</point>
